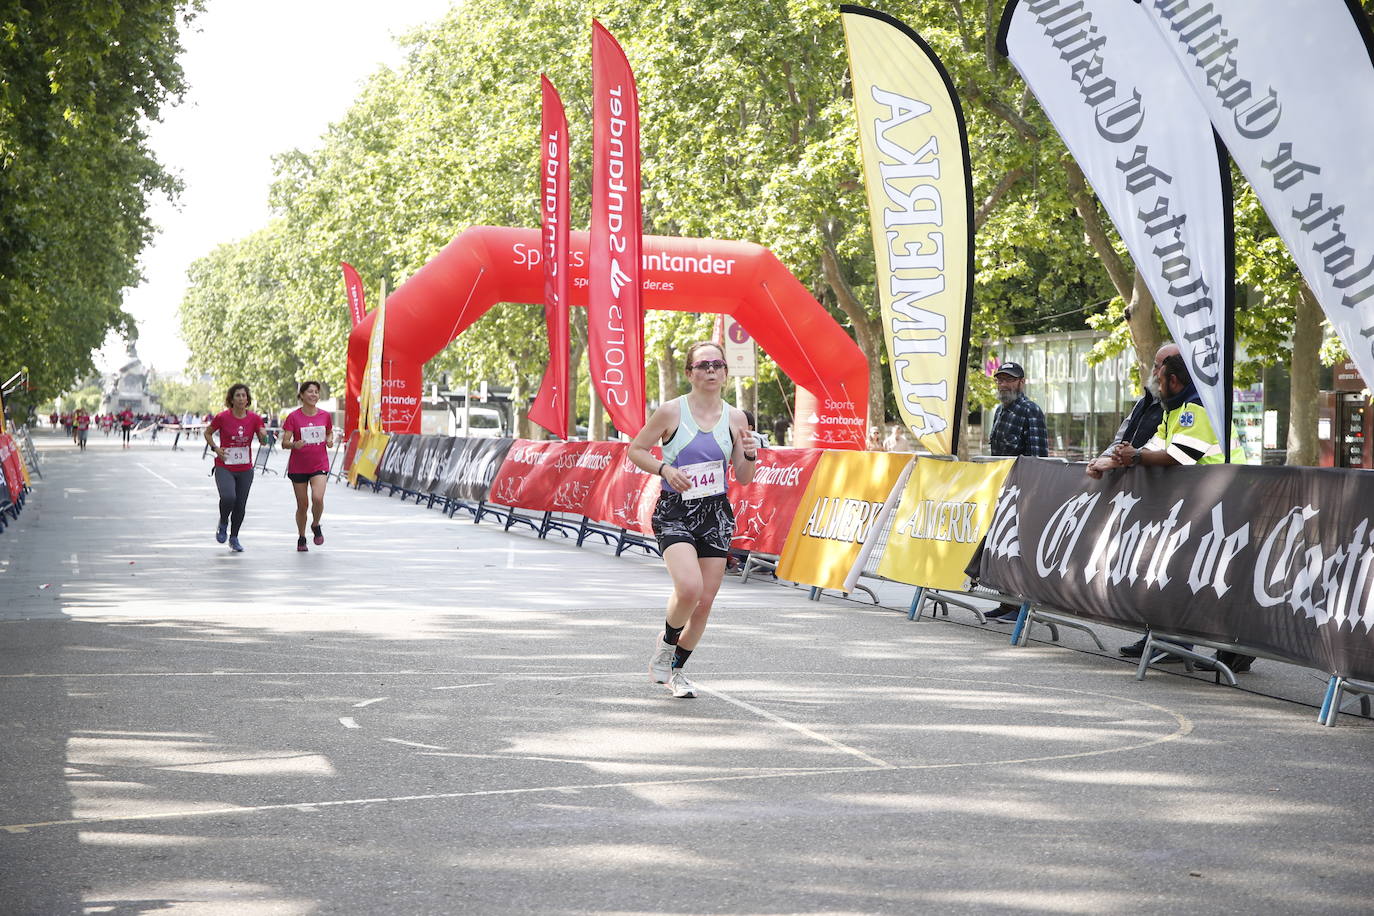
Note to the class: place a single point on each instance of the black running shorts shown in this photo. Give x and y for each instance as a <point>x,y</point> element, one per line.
<point>303,477</point>
<point>708,523</point>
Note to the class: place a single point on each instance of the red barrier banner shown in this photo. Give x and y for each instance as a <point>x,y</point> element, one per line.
<point>765,507</point>
<point>353,287</point>
<point>551,408</point>
<point>522,481</point>
<point>554,476</point>
<point>14,473</point>
<point>615,313</point>
<point>625,496</point>
<point>577,468</point>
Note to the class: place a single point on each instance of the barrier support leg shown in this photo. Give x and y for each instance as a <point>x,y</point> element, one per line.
<point>1331,703</point>
<point>914,612</point>
<point>1020,622</point>
<point>815,594</point>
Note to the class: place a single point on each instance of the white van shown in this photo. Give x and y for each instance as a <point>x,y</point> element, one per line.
<point>486,422</point>
<point>483,423</point>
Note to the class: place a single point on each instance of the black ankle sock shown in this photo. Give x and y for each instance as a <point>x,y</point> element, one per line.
<point>680,656</point>
<point>671,633</point>
<point>314,528</point>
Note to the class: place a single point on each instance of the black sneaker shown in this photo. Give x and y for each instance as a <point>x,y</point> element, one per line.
<point>300,545</point>
<point>1005,613</point>
<point>1134,650</point>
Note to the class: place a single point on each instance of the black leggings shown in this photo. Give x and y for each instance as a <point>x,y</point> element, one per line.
<point>233,496</point>
<point>126,430</point>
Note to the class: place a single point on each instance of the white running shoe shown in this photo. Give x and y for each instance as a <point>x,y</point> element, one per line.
<point>661,665</point>
<point>680,686</point>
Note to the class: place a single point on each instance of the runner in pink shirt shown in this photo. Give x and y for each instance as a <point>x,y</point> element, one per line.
<point>234,460</point>
<point>126,424</point>
<point>308,435</point>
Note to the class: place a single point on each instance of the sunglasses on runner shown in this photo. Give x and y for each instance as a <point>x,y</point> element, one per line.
<point>709,365</point>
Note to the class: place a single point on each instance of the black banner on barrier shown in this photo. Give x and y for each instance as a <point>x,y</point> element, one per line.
<point>471,466</point>
<point>431,464</point>
<point>1279,559</point>
<point>397,449</point>
<point>408,471</point>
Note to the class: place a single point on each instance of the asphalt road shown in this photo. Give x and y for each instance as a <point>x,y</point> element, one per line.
<point>430,716</point>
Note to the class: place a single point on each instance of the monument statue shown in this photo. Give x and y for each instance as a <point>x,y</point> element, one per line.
<point>129,388</point>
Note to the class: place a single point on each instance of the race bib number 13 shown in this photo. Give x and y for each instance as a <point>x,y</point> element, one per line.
<point>708,479</point>
<point>312,435</point>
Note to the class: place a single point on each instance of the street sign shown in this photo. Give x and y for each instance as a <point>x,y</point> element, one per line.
<point>740,350</point>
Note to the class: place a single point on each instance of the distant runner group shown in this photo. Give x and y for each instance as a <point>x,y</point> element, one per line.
<point>78,425</point>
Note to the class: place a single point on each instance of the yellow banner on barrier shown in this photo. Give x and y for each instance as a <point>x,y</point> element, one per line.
<point>944,512</point>
<point>370,448</point>
<point>841,503</point>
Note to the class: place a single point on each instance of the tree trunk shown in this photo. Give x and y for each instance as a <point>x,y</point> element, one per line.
<point>596,422</point>
<point>577,335</point>
<point>1144,329</point>
<point>867,329</point>
<point>667,374</point>
<point>1096,232</point>
<point>1304,372</point>
<point>1128,283</point>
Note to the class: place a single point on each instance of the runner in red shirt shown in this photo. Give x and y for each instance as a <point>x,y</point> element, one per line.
<point>83,427</point>
<point>126,424</point>
<point>308,435</point>
<point>234,460</point>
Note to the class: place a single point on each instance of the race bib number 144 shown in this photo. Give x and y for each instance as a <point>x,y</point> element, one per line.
<point>708,479</point>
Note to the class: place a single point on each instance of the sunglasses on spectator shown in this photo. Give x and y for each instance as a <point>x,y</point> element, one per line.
<point>709,365</point>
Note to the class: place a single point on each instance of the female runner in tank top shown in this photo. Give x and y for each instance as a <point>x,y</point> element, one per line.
<point>233,471</point>
<point>308,435</point>
<point>693,520</point>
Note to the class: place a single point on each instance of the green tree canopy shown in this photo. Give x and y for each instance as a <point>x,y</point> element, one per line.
<point>79,82</point>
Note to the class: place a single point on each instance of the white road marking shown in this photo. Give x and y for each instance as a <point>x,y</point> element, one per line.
<point>583,761</point>
<point>427,747</point>
<point>369,702</point>
<point>461,686</point>
<point>1185,728</point>
<point>158,476</point>
<point>436,796</point>
<point>796,727</point>
<point>349,722</point>
<point>76,569</point>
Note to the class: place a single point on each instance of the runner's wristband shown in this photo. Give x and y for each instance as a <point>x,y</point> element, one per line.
<point>748,457</point>
<point>661,466</point>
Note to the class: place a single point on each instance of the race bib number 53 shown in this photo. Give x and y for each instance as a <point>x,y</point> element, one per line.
<point>708,479</point>
<point>236,455</point>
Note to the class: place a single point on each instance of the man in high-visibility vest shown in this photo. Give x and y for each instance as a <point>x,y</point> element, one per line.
<point>1185,437</point>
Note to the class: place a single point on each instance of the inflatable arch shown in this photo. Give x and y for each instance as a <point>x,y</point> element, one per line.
<point>486,265</point>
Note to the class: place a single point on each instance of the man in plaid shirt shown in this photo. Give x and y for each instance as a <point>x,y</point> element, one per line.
<point>1018,428</point>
